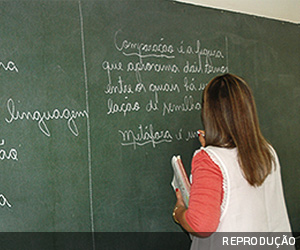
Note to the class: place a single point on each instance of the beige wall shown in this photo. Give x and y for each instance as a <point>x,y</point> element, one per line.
<point>286,10</point>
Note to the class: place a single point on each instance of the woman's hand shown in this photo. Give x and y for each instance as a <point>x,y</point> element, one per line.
<point>179,207</point>
<point>179,213</point>
<point>180,202</point>
<point>201,134</point>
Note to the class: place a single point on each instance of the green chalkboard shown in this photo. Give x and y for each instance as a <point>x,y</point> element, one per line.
<point>96,97</point>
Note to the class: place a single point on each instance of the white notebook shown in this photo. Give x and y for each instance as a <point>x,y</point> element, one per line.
<point>180,179</point>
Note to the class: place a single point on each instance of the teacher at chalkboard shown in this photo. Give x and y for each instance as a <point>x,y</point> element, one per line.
<point>236,180</point>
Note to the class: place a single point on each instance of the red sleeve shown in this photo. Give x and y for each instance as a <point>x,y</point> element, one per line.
<point>204,211</point>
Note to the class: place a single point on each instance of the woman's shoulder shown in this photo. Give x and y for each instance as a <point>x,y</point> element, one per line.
<point>216,150</point>
<point>203,157</point>
<point>204,165</point>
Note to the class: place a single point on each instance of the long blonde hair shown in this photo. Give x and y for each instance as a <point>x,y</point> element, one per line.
<point>230,120</point>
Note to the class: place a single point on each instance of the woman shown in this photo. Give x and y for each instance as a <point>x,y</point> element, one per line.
<point>236,181</point>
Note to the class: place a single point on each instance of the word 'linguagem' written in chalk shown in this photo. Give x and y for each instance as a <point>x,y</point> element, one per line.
<point>42,117</point>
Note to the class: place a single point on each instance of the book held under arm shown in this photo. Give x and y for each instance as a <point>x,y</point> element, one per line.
<point>180,179</point>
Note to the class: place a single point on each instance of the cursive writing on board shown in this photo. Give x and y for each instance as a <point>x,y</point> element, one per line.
<point>11,154</point>
<point>178,68</point>
<point>122,88</point>
<point>10,66</point>
<point>169,76</point>
<point>145,135</point>
<point>42,117</point>
<point>123,107</point>
<point>4,201</point>
<point>187,105</point>
<point>130,48</point>
<point>186,135</point>
<point>203,64</point>
<point>191,85</point>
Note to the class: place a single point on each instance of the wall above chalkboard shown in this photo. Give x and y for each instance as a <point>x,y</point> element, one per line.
<point>279,10</point>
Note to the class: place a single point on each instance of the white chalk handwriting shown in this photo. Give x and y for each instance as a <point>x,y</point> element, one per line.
<point>11,154</point>
<point>187,105</point>
<point>4,201</point>
<point>131,48</point>
<point>10,66</point>
<point>145,135</point>
<point>42,117</point>
<point>124,107</point>
<point>191,85</point>
<point>186,135</point>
